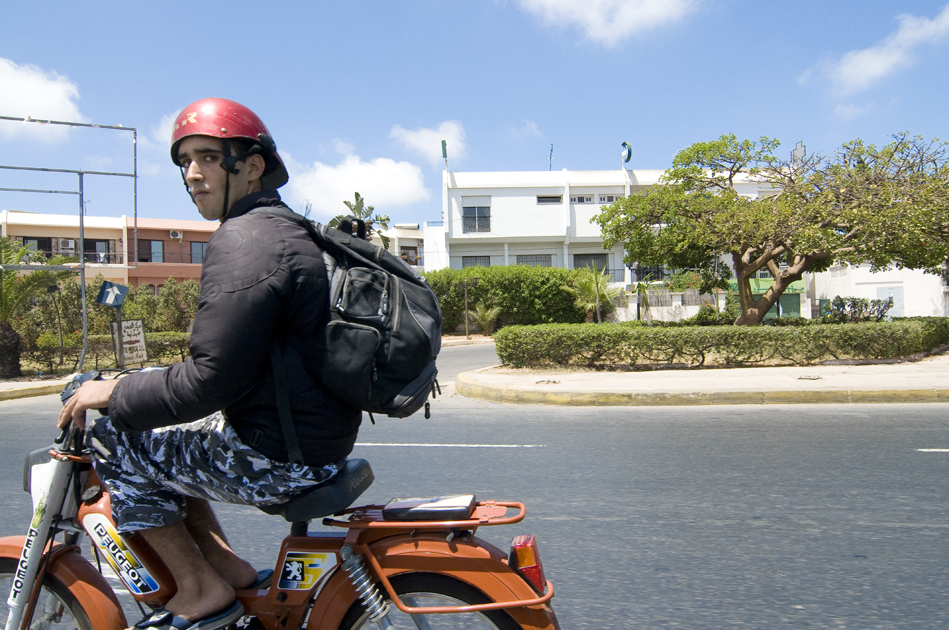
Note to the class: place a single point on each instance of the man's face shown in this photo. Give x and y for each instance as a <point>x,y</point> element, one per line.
<point>200,157</point>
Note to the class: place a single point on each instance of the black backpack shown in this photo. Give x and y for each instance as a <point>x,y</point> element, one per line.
<point>384,330</point>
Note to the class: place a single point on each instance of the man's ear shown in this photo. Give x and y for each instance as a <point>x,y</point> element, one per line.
<point>254,166</point>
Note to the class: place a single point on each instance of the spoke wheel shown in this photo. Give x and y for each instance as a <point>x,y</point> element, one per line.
<point>426,589</point>
<point>56,608</point>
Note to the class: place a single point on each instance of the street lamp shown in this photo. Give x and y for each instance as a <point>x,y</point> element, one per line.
<point>474,283</point>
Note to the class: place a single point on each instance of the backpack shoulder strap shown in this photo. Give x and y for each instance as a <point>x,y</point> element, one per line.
<point>294,454</point>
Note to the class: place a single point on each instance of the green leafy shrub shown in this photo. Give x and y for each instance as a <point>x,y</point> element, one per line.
<point>845,310</point>
<point>626,345</point>
<point>525,295</point>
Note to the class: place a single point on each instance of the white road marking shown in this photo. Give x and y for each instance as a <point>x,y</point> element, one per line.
<point>933,450</point>
<point>454,445</point>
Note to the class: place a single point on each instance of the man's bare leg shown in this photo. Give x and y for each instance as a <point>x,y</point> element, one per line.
<point>204,527</point>
<point>201,591</point>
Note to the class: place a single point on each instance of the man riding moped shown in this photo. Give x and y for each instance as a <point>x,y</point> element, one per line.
<point>208,428</point>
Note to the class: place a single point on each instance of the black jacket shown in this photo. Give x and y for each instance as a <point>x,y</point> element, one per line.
<point>263,279</point>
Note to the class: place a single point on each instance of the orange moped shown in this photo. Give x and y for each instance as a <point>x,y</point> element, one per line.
<point>412,563</point>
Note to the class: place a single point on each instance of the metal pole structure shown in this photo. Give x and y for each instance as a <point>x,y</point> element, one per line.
<point>82,281</point>
<point>134,200</point>
<point>467,336</point>
<point>120,353</point>
<point>82,253</point>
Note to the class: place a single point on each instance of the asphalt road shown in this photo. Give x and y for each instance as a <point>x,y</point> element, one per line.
<point>692,517</point>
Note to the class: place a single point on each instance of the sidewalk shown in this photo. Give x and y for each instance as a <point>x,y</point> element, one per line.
<point>912,382</point>
<point>11,390</point>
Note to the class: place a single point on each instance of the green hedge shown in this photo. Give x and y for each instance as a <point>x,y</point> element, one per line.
<point>163,348</point>
<point>612,345</point>
<point>525,295</point>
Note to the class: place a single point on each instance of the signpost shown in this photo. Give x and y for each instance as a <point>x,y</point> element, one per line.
<point>129,337</point>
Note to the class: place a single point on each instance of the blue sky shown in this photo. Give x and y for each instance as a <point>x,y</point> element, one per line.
<point>358,95</point>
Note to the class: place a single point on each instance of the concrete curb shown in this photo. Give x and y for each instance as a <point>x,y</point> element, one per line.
<point>26,392</point>
<point>467,385</point>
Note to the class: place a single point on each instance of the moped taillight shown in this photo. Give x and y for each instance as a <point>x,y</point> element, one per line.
<point>525,558</point>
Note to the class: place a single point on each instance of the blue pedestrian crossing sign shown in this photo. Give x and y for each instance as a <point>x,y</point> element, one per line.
<point>112,294</point>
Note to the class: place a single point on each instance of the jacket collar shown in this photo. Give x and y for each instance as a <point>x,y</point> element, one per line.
<point>254,200</point>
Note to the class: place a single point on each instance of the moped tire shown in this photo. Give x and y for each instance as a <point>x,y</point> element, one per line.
<point>430,589</point>
<point>54,595</point>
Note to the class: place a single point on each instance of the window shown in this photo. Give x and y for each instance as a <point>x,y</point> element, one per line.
<point>39,244</point>
<point>476,219</point>
<point>151,251</point>
<point>96,251</point>
<point>409,255</point>
<point>649,274</point>
<point>197,252</point>
<point>535,260</point>
<point>581,199</point>
<point>542,199</point>
<point>609,198</point>
<point>582,261</point>
<point>475,261</point>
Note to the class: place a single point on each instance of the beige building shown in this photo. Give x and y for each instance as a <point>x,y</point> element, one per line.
<point>166,248</point>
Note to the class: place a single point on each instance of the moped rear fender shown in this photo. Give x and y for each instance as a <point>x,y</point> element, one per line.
<point>86,584</point>
<point>471,560</point>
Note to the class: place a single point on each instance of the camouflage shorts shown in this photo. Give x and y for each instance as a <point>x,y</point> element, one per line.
<point>149,473</point>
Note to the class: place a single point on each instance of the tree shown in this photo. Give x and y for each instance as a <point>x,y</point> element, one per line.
<point>359,210</point>
<point>17,293</point>
<point>593,293</point>
<point>882,206</point>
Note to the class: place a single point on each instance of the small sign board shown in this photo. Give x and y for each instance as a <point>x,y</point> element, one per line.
<point>133,340</point>
<point>111,294</point>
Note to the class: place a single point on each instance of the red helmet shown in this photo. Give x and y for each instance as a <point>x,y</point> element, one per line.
<point>224,119</point>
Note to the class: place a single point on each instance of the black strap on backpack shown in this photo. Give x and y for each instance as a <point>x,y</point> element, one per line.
<point>346,225</point>
<point>294,454</point>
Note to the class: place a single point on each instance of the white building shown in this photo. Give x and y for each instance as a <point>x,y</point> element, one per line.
<point>914,293</point>
<point>539,218</point>
<point>543,218</point>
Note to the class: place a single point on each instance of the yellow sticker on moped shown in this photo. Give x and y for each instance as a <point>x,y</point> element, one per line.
<point>302,570</point>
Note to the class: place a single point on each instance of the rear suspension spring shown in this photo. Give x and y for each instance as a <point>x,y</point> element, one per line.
<point>372,599</point>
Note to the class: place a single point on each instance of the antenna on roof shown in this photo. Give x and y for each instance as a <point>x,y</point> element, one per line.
<point>551,159</point>
<point>445,153</point>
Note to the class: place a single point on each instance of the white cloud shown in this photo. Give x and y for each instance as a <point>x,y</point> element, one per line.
<point>428,142</point>
<point>608,22</point>
<point>30,91</point>
<point>850,111</point>
<point>528,129</point>
<point>385,183</point>
<point>857,70</point>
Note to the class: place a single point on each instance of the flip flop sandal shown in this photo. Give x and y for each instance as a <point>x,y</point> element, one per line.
<point>264,578</point>
<point>163,619</point>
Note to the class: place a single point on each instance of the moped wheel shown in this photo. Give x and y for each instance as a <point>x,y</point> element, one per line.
<point>56,608</point>
<point>428,589</point>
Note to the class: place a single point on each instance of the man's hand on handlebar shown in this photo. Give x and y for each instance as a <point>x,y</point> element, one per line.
<point>92,395</point>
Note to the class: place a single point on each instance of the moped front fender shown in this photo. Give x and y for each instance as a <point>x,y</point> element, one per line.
<point>76,573</point>
<point>472,561</point>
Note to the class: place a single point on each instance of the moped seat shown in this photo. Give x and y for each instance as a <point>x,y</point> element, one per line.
<point>332,497</point>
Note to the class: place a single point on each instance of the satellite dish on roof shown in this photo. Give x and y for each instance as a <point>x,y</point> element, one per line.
<point>627,152</point>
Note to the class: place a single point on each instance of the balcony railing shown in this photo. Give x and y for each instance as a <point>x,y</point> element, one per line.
<point>177,258</point>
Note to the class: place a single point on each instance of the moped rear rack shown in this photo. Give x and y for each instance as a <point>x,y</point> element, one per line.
<point>485,513</point>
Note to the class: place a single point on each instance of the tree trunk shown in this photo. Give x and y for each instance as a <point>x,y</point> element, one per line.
<point>752,310</point>
<point>9,351</point>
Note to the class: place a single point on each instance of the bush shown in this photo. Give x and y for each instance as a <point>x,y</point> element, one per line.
<point>525,295</point>
<point>626,345</point>
<point>854,309</point>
